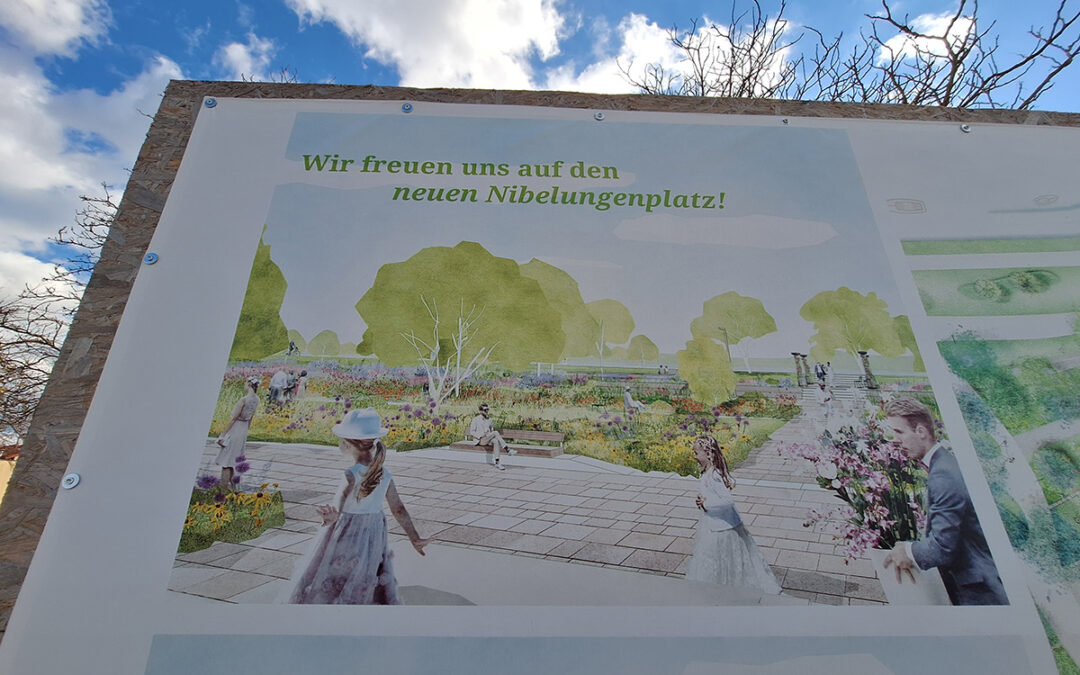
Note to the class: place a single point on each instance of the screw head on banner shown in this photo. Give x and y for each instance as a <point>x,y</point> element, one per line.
<point>966,128</point>
<point>598,116</point>
<point>784,121</point>
<point>406,107</point>
<point>70,481</point>
<point>150,258</point>
<point>210,102</point>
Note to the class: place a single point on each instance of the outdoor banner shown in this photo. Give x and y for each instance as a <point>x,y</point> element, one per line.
<point>428,388</point>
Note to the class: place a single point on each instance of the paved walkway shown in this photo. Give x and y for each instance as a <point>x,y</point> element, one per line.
<point>585,522</point>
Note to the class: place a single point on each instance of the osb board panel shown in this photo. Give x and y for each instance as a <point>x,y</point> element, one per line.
<point>64,405</point>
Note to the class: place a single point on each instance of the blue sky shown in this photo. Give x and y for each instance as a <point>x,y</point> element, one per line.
<point>81,76</point>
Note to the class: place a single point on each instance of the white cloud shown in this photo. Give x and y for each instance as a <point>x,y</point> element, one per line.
<point>18,270</point>
<point>247,60</point>
<point>641,42</point>
<point>644,44</point>
<point>56,146</point>
<point>453,43</point>
<point>754,231</point>
<point>54,26</point>
<point>937,25</point>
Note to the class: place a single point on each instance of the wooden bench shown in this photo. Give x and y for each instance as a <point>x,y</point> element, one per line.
<point>533,450</point>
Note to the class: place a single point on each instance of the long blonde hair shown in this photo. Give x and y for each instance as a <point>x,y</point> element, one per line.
<point>718,461</point>
<point>374,472</point>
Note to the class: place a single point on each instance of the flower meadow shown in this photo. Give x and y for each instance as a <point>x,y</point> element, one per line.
<point>880,488</point>
<point>220,513</point>
<point>588,409</point>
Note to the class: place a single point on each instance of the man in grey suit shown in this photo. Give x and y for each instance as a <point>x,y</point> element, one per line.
<point>954,541</point>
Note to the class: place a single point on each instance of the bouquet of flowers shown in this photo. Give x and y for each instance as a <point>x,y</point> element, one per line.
<point>880,486</point>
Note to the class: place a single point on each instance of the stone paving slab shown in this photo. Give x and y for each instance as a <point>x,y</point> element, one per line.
<point>560,509</point>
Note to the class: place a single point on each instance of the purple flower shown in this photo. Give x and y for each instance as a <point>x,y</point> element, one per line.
<point>235,481</point>
<point>219,498</point>
<point>435,421</point>
<point>406,408</point>
<point>206,482</point>
<point>348,404</point>
<point>242,467</point>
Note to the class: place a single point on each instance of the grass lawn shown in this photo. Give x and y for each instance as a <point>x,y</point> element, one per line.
<point>999,292</point>
<point>1002,245</point>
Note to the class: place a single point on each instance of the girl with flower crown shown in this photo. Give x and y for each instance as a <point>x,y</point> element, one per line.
<point>724,552</point>
<point>350,563</point>
<point>232,439</point>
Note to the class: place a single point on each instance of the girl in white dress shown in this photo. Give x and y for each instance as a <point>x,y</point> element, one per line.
<point>724,552</point>
<point>350,563</point>
<point>232,439</point>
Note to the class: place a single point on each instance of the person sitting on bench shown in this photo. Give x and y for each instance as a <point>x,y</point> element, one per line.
<point>630,404</point>
<point>483,430</point>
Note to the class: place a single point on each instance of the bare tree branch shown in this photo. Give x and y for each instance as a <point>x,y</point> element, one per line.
<point>33,323</point>
<point>953,61</point>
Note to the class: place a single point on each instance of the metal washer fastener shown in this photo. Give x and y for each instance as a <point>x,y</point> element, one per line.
<point>211,102</point>
<point>70,481</point>
<point>150,258</point>
<point>966,128</point>
<point>406,107</point>
<point>599,117</point>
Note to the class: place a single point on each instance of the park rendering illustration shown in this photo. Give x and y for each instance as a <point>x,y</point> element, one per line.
<point>603,341</point>
<point>440,342</point>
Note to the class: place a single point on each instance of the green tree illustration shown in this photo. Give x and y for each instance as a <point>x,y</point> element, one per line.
<point>733,319</point>
<point>848,320</point>
<point>907,340</point>
<point>705,366</point>
<point>616,325</point>
<point>518,319</point>
<point>260,331</point>
<point>581,329</point>
<point>325,344</point>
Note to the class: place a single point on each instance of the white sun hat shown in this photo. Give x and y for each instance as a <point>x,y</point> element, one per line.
<point>361,424</point>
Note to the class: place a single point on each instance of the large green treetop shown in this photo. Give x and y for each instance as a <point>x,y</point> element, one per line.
<point>260,331</point>
<point>325,344</point>
<point>741,316</point>
<point>848,320</point>
<point>614,318</point>
<point>907,340</point>
<point>516,314</point>
<point>705,366</point>
<point>581,329</point>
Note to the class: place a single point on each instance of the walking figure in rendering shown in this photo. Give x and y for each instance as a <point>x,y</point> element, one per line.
<point>724,551</point>
<point>234,436</point>
<point>483,430</point>
<point>350,563</point>
<point>825,398</point>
